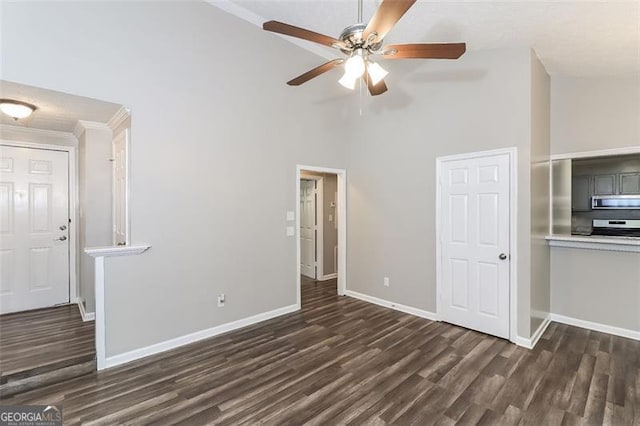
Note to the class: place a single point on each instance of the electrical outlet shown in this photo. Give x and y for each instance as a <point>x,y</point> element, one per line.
<point>221,300</point>
<point>386,281</point>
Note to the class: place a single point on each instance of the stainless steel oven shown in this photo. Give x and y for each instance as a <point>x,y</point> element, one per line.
<point>616,227</point>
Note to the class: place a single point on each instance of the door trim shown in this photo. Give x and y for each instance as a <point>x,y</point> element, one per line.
<point>126,133</point>
<point>319,222</point>
<point>342,226</point>
<point>73,203</point>
<point>513,240</point>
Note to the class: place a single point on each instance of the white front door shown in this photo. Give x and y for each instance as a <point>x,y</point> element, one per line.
<point>308,228</point>
<point>34,222</point>
<point>475,223</point>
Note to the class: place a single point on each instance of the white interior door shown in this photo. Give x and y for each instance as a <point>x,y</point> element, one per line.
<point>120,219</point>
<point>308,228</point>
<point>34,221</point>
<point>475,223</point>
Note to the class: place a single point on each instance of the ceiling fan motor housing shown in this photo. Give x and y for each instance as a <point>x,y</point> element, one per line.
<point>352,36</point>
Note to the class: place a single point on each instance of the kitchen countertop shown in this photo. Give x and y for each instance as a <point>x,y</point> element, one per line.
<point>595,242</point>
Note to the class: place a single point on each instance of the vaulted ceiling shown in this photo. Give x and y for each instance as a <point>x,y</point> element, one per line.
<point>572,38</point>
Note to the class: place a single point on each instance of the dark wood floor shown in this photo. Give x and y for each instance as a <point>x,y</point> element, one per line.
<point>43,340</point>
<point>344,361</point>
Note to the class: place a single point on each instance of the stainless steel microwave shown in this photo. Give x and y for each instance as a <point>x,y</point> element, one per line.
<point>615,202</point>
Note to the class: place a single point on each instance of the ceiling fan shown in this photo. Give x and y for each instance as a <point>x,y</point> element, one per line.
<point>360,42</point>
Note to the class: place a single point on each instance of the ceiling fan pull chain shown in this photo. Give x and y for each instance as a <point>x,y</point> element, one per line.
<point>360,96</point>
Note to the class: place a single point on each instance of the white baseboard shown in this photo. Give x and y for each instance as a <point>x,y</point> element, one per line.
<point>531,342</point>
<point>135,354</point>
<point>617,331</point>
<point>328,277</point>
<point>398,307</point>
<point>86,316</point>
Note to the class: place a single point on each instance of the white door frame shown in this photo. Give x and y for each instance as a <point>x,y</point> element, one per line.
<point>127,223</point>
<point>319,222</point>
<point>73,203</point>
<point>513,240</point>
<point>341,216</point>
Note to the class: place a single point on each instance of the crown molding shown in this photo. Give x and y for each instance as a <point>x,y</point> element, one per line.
<point>83,125</point>
<point>78,130</point>
<point>257,20</point>
<point>118,118</point>
<point>28,134</point>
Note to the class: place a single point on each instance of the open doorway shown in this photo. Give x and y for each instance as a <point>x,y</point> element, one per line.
<point>321,224</point>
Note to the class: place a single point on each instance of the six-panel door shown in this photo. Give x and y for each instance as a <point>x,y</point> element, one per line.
<point>475,243</point>
<point>34,222</point>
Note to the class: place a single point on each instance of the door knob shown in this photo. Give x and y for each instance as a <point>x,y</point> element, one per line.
<point>502,256</point>
<point>63,238</point>
<point>62,227</point>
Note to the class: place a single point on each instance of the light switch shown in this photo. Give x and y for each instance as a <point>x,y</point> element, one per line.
<point>291,216</point>
<point>291,231</point>
<point>330,218</point>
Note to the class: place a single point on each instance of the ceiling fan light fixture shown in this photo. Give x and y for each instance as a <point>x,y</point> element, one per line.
<point>16,109</point>
<point>376,72</point>
<point>355,65</point>
<point>360,40</point>
<point>348,81</point>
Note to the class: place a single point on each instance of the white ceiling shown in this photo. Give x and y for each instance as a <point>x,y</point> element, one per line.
<point>572,38</point>
<point>56,110</point>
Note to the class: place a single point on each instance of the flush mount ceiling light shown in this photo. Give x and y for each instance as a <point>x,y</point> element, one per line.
<point>362,41</point>
<point>16,109</point>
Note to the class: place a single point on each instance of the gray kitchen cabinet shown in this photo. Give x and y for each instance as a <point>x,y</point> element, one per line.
<point>581,193</point>
<point>605,184</point>
<point>629,183</point>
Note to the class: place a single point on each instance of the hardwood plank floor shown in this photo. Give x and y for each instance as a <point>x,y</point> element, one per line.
<point>344,361</point>
<point>43,340</point>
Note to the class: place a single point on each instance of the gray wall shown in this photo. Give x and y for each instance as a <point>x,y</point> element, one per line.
<point>94,191</point>
<point>594,114</point>
<point>597,286</point>
<point>540,150</point>
<point>433,108</point>
<point>212,117</point>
